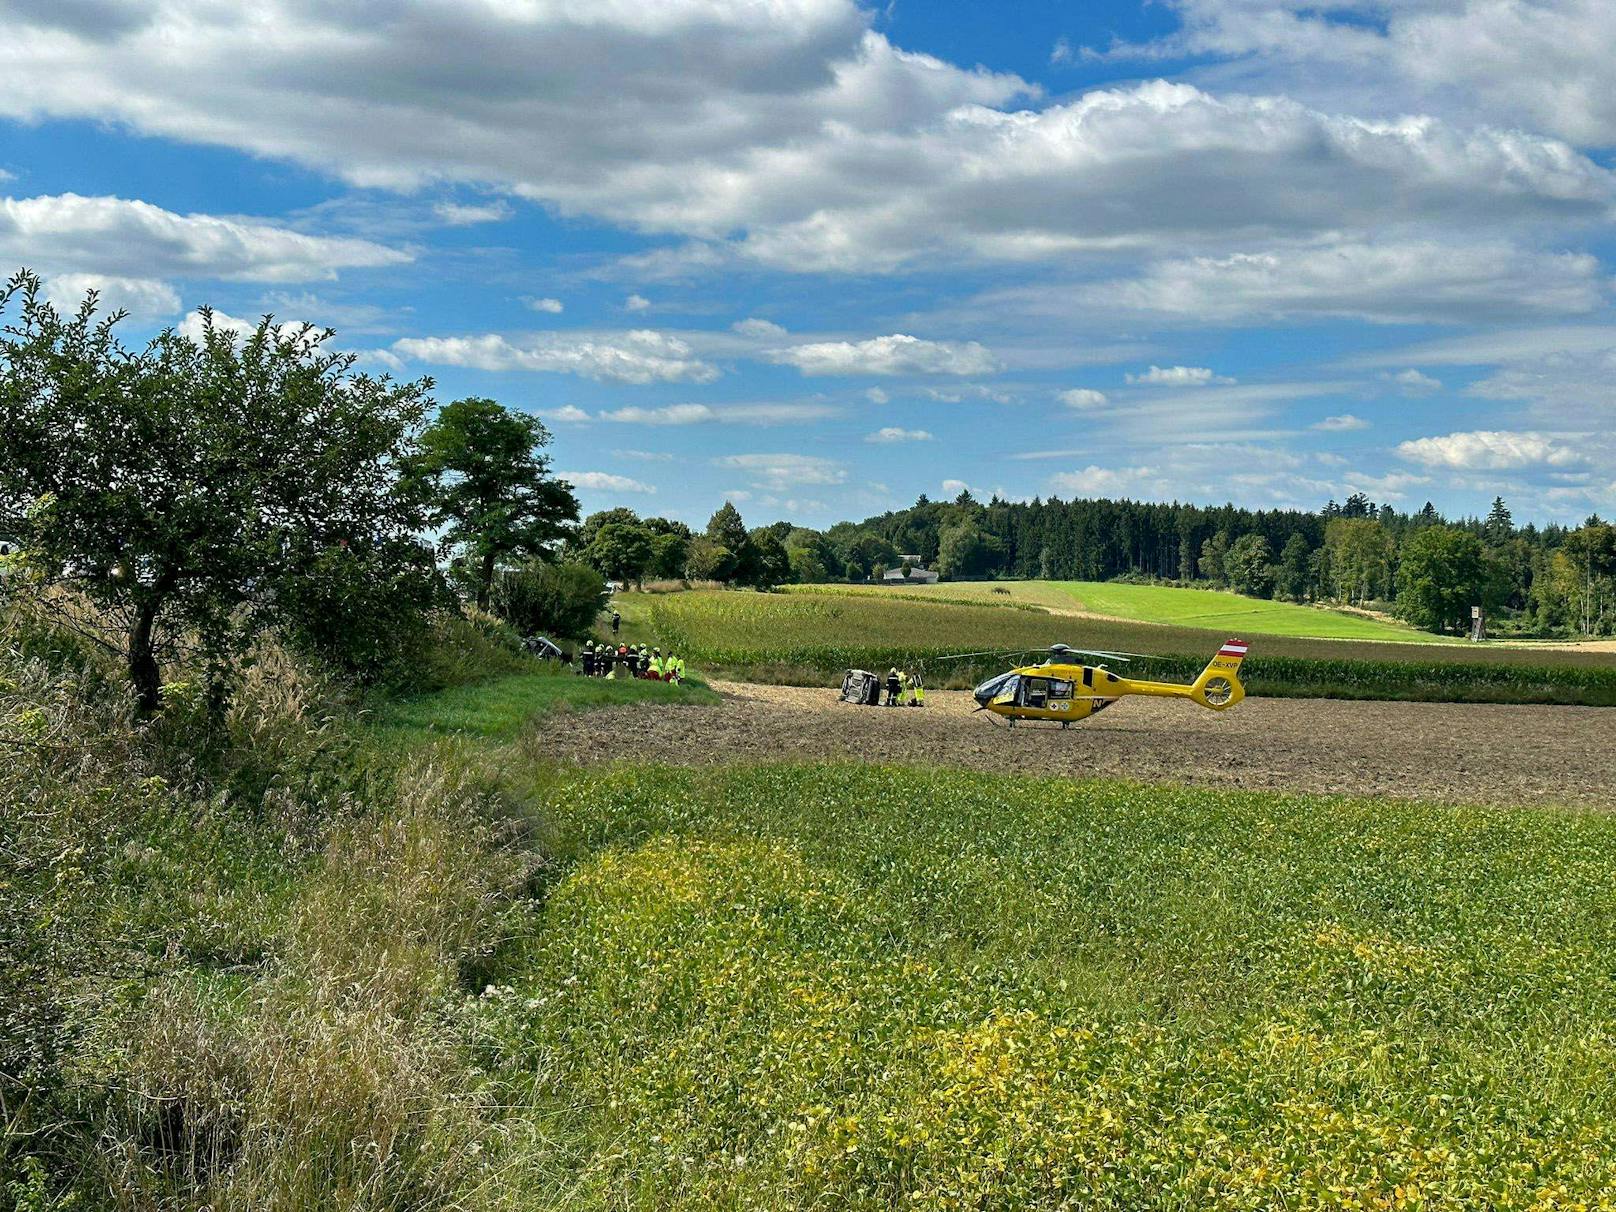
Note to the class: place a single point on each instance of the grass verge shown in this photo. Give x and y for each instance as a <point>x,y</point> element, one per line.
<point>497,709</point>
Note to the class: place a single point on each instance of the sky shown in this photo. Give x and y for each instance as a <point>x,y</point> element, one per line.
<point>820,258</point>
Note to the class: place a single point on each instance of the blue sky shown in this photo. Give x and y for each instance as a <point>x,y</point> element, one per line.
<point>822,258</point>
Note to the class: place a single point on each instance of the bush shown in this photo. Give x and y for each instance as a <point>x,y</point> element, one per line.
<point>558,600</point>
<point>464,645</point>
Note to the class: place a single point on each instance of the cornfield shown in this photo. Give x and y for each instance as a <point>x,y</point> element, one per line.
<point>816,636</point>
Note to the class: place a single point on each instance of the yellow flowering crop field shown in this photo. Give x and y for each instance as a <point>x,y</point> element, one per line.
<point>844,987</point>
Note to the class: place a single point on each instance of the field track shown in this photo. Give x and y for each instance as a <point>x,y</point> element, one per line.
<point>1466,753</point>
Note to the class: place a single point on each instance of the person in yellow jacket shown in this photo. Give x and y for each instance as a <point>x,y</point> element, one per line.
<point>917,692</point>
<point>656,665</point>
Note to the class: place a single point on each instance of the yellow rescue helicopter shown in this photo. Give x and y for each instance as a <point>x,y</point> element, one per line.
<point>1064,691</point>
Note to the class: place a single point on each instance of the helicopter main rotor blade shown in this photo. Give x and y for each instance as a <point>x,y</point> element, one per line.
<point>960,656</point>
<point>1100,652</point>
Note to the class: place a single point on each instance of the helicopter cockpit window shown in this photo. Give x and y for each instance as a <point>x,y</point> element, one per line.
<point>994,687</point>
<point>1060,690</point>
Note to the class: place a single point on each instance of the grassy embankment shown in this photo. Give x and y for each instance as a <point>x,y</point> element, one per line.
<point>812,637</point>
<point>285,968</point>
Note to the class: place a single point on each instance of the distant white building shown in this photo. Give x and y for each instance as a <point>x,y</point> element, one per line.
<point>917,575</point>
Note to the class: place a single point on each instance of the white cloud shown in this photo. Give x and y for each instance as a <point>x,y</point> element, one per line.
<point>1178,376</point>
<point>876,396</point>
<point>1413,383</point>
<point>1082,398</point>
<point>897,354</point>
<point>551,306</point>
<point>778,472</point>
<point>894,434</point>
<point>120,238</point>
<point>764,330</point>
<point>1094,481</point>
<point>1383,281</point>
<point>460,214</point>
<point>194,328</point>
<point>1344,423</point>
<point>1061,52</point>
<point>640,356</point>
<point>787,129</point>
<point>738,414</point>
<point>970,391</point>
<point>567,414</point>
<point>1490,450</point>
<point>637,303</point>
<point>142,298</point>
<point>953,488</point>
<point>604,481</point>
<point>1544,64</point>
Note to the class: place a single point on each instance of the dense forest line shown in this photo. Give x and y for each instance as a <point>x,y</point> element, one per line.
<point>1426,568</point>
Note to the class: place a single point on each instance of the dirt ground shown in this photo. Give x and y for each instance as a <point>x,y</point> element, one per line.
<point>1436,751</point>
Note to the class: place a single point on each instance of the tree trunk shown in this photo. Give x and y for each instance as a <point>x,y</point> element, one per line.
<point>143,671</point>
<point>485,585</point>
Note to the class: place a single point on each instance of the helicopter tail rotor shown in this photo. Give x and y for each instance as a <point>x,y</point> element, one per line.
<point>1219,686</point>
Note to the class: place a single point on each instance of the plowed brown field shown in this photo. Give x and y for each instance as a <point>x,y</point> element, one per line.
<point>1438,751</point>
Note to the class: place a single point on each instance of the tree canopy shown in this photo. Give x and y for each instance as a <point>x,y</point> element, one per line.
<point>196,491</point>
<point>486,482</point>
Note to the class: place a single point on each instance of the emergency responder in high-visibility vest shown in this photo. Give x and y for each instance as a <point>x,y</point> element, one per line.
<point>588,658</point>
<point>656,664</point>
<point>894,684</point>
<point>681,669</point>
<point>917,692</point>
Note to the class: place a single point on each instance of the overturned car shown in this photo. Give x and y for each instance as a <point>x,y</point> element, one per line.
<point>862,687</point>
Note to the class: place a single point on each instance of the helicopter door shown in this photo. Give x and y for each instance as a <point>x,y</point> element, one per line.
<point>1035,693</point>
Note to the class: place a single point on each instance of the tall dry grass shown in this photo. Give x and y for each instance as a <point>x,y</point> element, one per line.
<point>233,954</point>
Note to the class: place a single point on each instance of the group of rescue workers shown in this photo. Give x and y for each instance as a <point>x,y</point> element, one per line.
<point>603,660</point>
<point>904,689</point>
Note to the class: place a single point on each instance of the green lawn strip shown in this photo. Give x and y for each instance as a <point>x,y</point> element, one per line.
<point>497,709</point>
<point>1219,609</point>
<point>854,987</point>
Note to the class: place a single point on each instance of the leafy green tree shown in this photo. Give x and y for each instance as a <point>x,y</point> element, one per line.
<point>709,561</point>
<point>964,551</point>
<point>1212,553</point>
<point>669,553</point>
<point>1249,565</point>
<point>197,492</point>
<point>557,599</point>
<point>868,555</point>
<point>770,565</point>
<point>1443,574</point>
<point>482,470</point>
<point>1294,567</point>
<point>1360,556</point>
<point>580,539</point>
<point>726,533</point>
<point>622,551</point>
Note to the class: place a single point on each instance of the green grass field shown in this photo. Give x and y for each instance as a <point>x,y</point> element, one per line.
<point>860,988</point>
<point>500,707</point>
<point>1209,609</point>
<point>811,637</point>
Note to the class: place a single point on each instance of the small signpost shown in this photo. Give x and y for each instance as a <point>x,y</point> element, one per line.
<point>1478,625</point>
